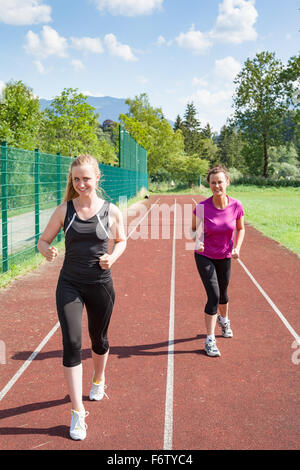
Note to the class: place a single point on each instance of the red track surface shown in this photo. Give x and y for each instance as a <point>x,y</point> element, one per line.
<point>246,399</point>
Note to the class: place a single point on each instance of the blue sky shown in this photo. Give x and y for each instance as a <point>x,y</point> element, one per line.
<point>176,51</point>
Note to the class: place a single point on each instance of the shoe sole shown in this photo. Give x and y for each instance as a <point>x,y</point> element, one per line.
<point>211,354</point>
<point>77,438</point>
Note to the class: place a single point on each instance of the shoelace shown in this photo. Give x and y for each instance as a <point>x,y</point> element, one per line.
<point>98,388</point>
<point>78,417</point>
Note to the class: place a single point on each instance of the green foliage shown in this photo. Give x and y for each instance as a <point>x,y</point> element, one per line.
<point>71,128</point>
<point>20,116</point>
<point>230,145</point>
<point>261,100</point>
<point>167,158</point>
<point>150,129</point>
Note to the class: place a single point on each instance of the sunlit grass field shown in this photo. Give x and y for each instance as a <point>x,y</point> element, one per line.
<point>273,211</point>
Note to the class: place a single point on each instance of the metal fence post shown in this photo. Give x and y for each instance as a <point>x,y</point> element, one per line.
<point>37,196</point>
<point>120,146</point>
<point>4,194</point>
<point>58,197</point>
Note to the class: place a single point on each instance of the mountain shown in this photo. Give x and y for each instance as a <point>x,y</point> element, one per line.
<point>106,106</point>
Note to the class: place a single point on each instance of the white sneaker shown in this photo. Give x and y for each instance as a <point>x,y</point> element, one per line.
<point>226,330</point>
<point>98,391</point>
<point>211,348</point>
<point>78,426</point>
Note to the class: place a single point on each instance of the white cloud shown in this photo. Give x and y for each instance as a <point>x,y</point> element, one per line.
<point>160,41</point>
<point>77,64</point>
<point>214,106</point>
<point>227,68</point>
<point>87,44</point>
<point>143,80</point>
<point>128,7</point>
<point>50,43</point>
<point>117,49</point>
<point>22,12</point>
<point>93,93</point>
<point>235,22</point>
<point>196,41</point>
<point>199,82</point>
<point>39,66</point>
<point>2,86</point>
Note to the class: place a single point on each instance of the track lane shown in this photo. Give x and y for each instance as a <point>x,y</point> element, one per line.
<point>248,398</point>
<point>133,417</point>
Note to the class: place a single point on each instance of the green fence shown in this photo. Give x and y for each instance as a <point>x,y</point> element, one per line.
<point>132,156</point>
<point>33,183</point>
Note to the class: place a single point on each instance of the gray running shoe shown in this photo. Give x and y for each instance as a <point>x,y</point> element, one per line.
<point>211,348</point>
<point>226,330</point>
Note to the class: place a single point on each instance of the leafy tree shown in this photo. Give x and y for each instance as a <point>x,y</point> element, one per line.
<point>20,116</point>
<point>260,102</point>
<point>150,129</point>
<point>71,127</point>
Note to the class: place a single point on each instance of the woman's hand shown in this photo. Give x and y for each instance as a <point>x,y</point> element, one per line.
<point>51,253</point>
<point>106,261</point>
<point>235,253</point>
<point>200,246</point>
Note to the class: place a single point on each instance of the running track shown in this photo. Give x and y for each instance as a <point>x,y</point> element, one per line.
<point>164,392</point>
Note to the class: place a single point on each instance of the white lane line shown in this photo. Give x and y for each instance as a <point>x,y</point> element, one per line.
<point>276,309</point>
<point>141,220</point>
<point>168,430</point>
<point>27,362</point>
<point>40,445</point>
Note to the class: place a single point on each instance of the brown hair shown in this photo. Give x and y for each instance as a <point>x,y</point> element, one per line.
<point>84,159</point>
<point>218,169</point>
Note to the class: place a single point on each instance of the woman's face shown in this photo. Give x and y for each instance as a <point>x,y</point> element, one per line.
<point>218,184</point>
<point>84,179</point>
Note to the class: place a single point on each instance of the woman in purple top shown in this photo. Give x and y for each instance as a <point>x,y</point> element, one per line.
<point>222,220</point>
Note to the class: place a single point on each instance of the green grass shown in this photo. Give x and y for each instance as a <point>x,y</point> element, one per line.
<point>23,263</point>
<point>275,212</point>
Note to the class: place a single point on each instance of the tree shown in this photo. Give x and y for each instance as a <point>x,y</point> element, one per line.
<point>260,101</point>
<point>150,129</point>
<point>71,127</point>
<point>191,130</point>
<point>178,123</point>
<point>230,145</point>
<point>20,116</point>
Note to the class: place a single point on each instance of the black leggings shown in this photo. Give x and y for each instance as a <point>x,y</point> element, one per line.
<point>70,300</point>
<point>215,275</point>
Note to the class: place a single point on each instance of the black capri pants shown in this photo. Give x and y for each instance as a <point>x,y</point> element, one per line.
<point>215,275</point>
<point>99,300</point>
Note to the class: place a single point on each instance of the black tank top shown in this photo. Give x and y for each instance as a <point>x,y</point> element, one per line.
<point>85,242</point>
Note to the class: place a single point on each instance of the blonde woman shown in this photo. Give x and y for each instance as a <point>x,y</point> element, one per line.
<point>85,278</point>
